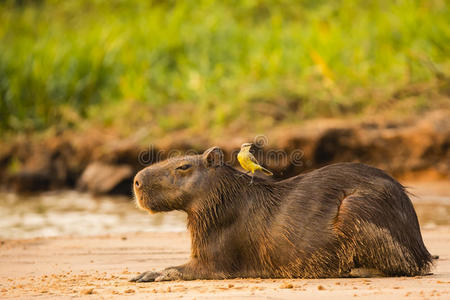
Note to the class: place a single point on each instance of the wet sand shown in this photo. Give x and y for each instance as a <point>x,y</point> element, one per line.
<point>67,267</point>
<point>98,267</point>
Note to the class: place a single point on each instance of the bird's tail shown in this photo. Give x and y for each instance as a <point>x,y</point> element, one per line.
<point>265,171</point>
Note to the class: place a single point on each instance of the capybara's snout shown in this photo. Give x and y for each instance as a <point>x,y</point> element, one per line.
<point>151,190</point>
<point>139,184</point>
<point>138,181</point>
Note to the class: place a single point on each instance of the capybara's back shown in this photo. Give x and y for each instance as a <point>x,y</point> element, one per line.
<point>324,223</point>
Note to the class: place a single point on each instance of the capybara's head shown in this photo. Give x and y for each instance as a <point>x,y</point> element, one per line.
<point>176,183</point>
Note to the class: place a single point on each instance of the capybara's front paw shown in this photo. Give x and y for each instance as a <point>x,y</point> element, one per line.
<point>169,275</point>
<point>165,275</point>
<point>146,277</point>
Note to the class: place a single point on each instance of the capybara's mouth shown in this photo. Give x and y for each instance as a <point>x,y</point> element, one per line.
<point>141,200</point>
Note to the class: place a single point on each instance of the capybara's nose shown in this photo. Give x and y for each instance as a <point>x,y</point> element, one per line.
<point>138,181</point>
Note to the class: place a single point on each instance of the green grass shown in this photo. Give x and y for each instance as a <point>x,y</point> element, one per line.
<point>222,65</point>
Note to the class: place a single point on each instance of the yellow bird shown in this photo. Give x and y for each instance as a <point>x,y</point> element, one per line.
<point>248,161</point>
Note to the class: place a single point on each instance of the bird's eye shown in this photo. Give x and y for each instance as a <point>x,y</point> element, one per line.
<point>184,167</point>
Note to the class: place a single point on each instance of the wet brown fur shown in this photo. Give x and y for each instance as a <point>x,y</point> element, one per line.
<point>319,224</point>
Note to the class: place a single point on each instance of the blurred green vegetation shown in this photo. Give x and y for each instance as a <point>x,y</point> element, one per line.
<point>222,65</point>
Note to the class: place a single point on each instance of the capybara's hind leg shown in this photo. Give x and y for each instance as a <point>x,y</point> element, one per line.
<point>378,249</point>
<point>376,242</point>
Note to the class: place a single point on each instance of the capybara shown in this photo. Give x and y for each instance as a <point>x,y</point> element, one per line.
<point>319,224</point>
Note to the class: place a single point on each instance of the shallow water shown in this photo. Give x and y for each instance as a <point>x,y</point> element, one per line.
<point>74,213</point>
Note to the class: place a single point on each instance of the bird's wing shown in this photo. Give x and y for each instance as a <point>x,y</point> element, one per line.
<point>252,158</point>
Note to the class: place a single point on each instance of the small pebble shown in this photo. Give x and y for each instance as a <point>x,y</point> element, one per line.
<point>286,286</point>
<point>88,291</point>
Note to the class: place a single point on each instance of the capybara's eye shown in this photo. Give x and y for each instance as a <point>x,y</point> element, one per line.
<point>184,167</point>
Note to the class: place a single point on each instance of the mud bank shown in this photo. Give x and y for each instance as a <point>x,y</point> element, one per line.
<point>102,163</point>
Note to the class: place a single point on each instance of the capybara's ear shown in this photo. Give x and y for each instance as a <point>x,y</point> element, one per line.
<point>213,157</point>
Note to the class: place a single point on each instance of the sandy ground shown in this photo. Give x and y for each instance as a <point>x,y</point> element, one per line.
<point>99,268</point>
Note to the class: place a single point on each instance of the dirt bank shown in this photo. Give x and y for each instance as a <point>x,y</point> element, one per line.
<point>103,163</point>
